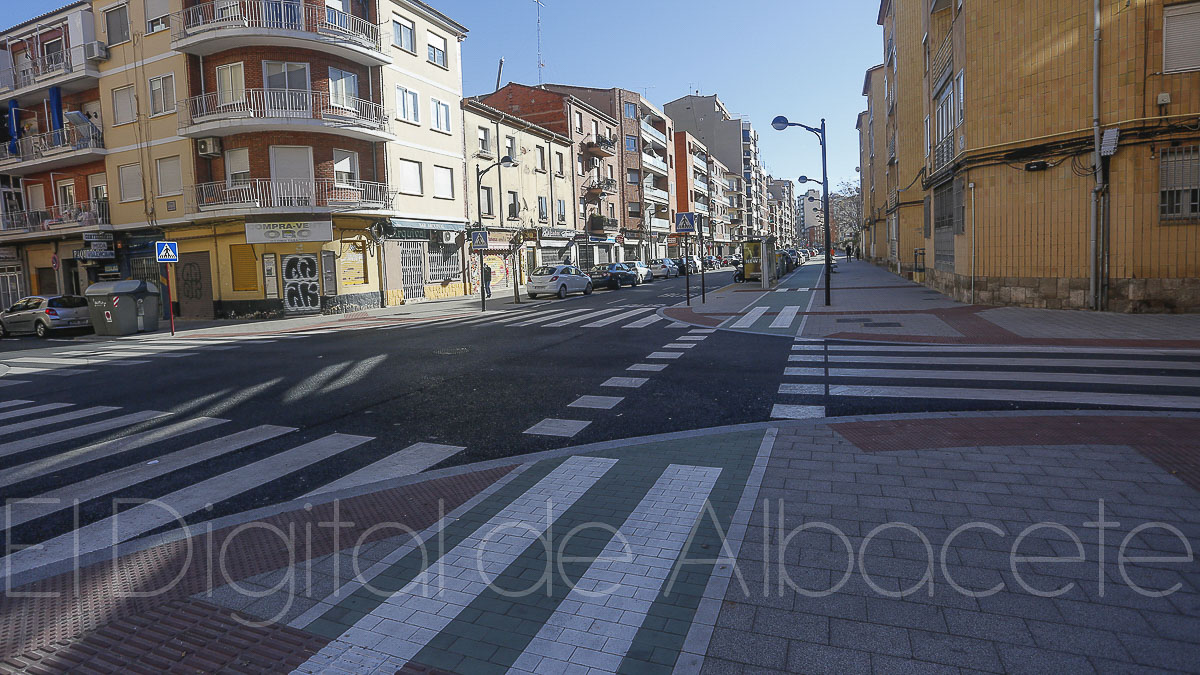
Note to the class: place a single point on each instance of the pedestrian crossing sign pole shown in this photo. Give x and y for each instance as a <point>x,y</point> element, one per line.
<point>168,252</point>
<point>479,244</point>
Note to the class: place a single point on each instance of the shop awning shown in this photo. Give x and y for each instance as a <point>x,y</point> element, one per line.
<point>444,225</point>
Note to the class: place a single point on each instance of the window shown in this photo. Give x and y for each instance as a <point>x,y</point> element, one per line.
<point>170,182</point>
<point>635,209</point>
<point>408,106</point>
<point>634,177</point>
<point>345,166</point>
<point>162,94</point>
<point>561,205</point>
<point>116,25</point>
<point>237,166</point>
<point>610,172</point>
<point>123,108</point>
<point>343,87</point>
<point>130,178</point>
<point>514,205</point>
<point>443,182</point>
<point>579,164</point>
<point>543,209</point>
<point>245,267</point>
<point>578,122</point>
<point>510,146</point>
<point>441,115</point>
<point>958,95</point>
<point>541,158</point>
<point>631,143</point>
<point>485,140</point>
<point>486,205</point>
<point>437,50</point>
<point>558,163</point>
<point>66,192</point>
<point>284,76</point>
<point>1181,37</point>
<point>926,138</point>
<point>231,84</point>
<point>403,35</point>
<point>612,211</point>
<point>1179,182</point>
<point>410,177</point>
<point>156,15</point>
<point>631,111</point>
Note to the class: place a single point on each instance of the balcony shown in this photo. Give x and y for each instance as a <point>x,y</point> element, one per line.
<point>943,153</point>
<point>654,194</point>
<point>654,164</point>
<point>600,224</point>
<point>82,215</point>
<point>700,162</point>
<point>700,186</point>
<point>600,147</point>
<point>51,150</point>
<point>67,69</point>
<point>660,225</point>
<point>653,134</point>
<point>943,58</point>
<point>235,24</point>
<point>287,196</point>
<point>283,110</point>
<point>700,208</point>
<point>598,188</point>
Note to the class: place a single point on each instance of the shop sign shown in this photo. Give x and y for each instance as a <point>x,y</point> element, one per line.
<point>99,245</point>
<point>582,237</point>
<point>409,233</point>
<point>556,233</point>
<point>289,232</point>
<point>97,236</point>
<point>92,254</point>
<point>8,253</point>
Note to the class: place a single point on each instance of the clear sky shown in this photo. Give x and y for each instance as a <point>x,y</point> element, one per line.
<point>801,58</point>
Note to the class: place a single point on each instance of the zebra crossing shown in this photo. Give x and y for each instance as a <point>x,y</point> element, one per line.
<point>59,463</point>
<point>769,318</point>
<point>632,316</point>
<point>831,378</point>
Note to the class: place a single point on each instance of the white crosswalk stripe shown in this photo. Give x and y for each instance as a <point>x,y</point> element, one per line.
<point>618,317</point>
<point>750,317</point>
<point>72,433</point>
<point>785,317</point>
<point>413,459</point>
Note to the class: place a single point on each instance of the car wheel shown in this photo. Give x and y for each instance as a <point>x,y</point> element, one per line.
<point>650,279</point>
<point>3,331</point>
<point>587,290</point>
<point>635,281</point>
<point>533,296</point>
<point>562,292</point>
<point>616,284</point>
<point>41,330</point>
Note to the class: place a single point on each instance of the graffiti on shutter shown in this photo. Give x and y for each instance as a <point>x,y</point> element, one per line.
<point>301,284</point>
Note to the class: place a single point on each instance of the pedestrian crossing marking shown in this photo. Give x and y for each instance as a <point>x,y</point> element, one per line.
<point>577,319</point>
<point>679,345</point>
<point>413,459</point>
<point>33,409</point>
<point>616,317</point>
<point>597,402</point>
<point>34,442</point>
<point>750,317</point>
<point>648,367</point>
<point>785,317</point>
<point>796,412</point>
<point>627,382</point>
<point>55,419</point>
<point>646,321</point>
<point>557,427</point>
<point>665,355</point>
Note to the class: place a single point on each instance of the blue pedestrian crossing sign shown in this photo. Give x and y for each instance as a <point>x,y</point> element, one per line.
<point>479,240</point>
<point>685,221</point>
<point>166,251</point>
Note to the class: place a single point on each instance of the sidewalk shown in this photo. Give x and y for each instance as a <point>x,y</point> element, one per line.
<point>870,303</point>
<point>670,554</point>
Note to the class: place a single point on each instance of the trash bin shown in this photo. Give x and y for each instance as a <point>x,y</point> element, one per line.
<point>123,307</point>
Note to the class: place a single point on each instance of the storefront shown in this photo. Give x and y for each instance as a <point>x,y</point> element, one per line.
<point>12,276</point>
<point>423,260</point>
<point>554,246</point>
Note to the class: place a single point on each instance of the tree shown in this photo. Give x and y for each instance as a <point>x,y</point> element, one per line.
<point>845,210</point>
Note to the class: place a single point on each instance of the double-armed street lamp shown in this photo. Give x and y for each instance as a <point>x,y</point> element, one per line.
<point>506,162</point>
<point>780,123</point>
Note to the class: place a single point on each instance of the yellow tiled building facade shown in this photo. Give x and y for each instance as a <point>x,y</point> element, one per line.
<point>1010,203</point>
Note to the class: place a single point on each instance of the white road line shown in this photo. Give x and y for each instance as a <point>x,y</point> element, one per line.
<point>13,403</point>
<point>644,554</point>
<point>556,427</point>
<point>1009,376</point>
<point>793,358</point>
<point>696,338</point>
<point>645,321</point>
<point>617,317</point>
<point>807,313</point>
<point>25,370</point>
<point>33,409</point>
<point>792,372</point>
<point>415,614</point>
<point>626,382</point>
<point>648,367</point>
<point>679,345</point>
<point>56,360</point>
<point>32,442</point>
<point>550,315</point>
<point>597,402</point>
<point>1098,364</point>
<point>584,317</point>
<point>679,324</point>
<point>793,388</point>
<point>413,459</point>
<point>702,331</point>
<point>665,355</point>
<point>750,317</point>
<point>1028,395</point>
<point>785,317</point>
<point>107,483</point>
<point>147,355</point>
<point>70,458</point>
<point>1017,349</point>
<point>796,412</point>
<point>55,419</point>
<point>140,519</point>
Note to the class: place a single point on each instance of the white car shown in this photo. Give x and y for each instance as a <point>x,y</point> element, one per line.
<point>558,280</point>
<point>644,273</point>
<point>664,267</point>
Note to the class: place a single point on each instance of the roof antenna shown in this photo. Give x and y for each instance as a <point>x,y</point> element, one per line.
<point>499,73</point>
<point>540,65</point>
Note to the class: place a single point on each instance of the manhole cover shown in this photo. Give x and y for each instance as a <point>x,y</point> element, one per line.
<point>450,351</point>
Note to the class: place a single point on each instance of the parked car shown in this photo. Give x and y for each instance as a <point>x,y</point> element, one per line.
<point>41,314</point>
<point>664,267</point>
<point>688,264</point>
<point>558,280</point>
<point>643,270</point>
<point>711,262</point>
<point>613,275</point>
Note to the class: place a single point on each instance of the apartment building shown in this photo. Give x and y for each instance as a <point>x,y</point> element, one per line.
<point>530,206</point>
<point>694,183</point>
<point>811,218</point>
<point>1023,200</point>
<point>645,165</point>
<point>594,174</point>
<point>876,238</point>
<point>258,134</point>
<point>781,197</point>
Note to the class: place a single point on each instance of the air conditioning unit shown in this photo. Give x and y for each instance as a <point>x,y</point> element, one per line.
<point>443,236</point>
<point>595,162</point>
<point>208,147</point>
<point>95,51</point>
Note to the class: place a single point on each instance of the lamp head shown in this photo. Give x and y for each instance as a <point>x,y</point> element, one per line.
<point>803,179</point>
<point>780,123</point>
<point>508,162</point>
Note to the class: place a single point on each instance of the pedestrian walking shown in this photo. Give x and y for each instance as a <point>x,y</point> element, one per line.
<point>487,281</point>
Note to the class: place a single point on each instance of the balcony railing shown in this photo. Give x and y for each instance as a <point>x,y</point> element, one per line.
<point>39,68</point>
<point>652,192</point>
<point>700,208</point>
<point>599,223</point>
<point>277,15</point>
<point>600,147</point>
<point>283,104</point>
<point>67,139</point>
<point>94,212</point>
<point>943,152</point>
<point>654,162</point>
<point>601,186</point>
<point>701,185</point>
<point>943,57</point>
<point>294,194</point>
<point>660,224</point>
<point>650,131</point>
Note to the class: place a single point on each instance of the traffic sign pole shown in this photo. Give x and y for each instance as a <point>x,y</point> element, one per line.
<point>687,281</point>
<point>170,307</point>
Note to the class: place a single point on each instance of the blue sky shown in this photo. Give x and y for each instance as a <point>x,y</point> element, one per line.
<point>801,58</point>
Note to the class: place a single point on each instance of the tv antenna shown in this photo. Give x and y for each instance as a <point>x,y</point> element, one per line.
<point>540,64</point>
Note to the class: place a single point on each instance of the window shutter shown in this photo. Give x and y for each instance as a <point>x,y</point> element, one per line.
<point>169,177</point>
<point>410,177</point>
<point>130,178</point>
<point>122,105</point>
<point>928,216</point>
<point>1181,38</point>
<point>443,182</point>
<point>245,267</point>
<point>155,9</point>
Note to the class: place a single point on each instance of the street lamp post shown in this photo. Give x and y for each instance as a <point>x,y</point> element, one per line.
<point>506,162</point>
<point>780,123</point>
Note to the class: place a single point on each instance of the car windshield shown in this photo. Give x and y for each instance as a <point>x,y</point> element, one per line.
<point>544,271</point>
<point>68,302</point>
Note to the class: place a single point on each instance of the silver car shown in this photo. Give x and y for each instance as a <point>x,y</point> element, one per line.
<point>664,267</point>
<point>643,272</point>
<point>41,314</point>
<point>558,280</point>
